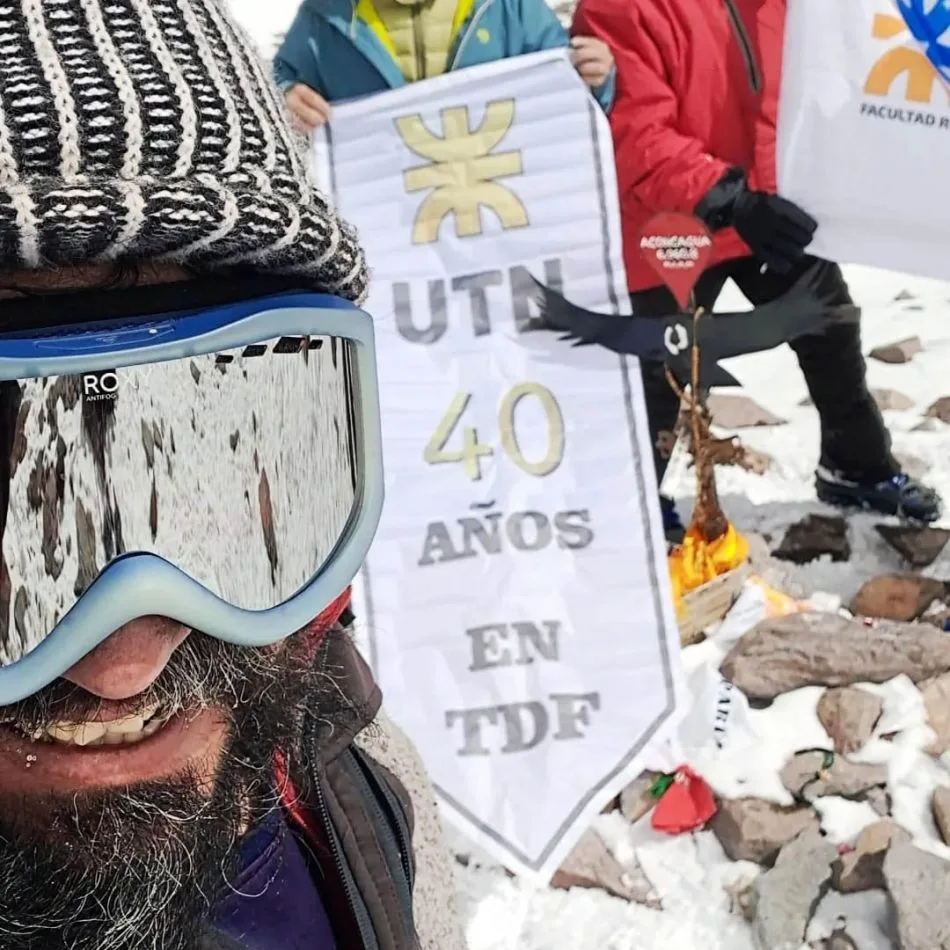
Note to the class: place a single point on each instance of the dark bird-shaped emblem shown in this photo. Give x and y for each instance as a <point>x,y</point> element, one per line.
<point>799,312</point>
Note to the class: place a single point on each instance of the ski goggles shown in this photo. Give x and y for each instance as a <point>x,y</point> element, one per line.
<point>220,466</point>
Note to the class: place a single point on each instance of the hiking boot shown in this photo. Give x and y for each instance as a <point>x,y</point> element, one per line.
<point>900,495</point>
<point>672,526</point>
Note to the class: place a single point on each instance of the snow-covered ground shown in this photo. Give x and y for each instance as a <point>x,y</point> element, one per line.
<point>690,873</point>
<point>895,307</point>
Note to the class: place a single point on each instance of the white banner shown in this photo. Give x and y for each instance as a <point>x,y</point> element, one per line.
<point>864,136</point>
<point>516,598</point>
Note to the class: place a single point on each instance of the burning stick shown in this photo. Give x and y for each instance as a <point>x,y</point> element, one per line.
<point>677,247</point>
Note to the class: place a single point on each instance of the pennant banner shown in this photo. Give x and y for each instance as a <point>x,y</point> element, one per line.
<point>516,602</point>
<point>864,131</point>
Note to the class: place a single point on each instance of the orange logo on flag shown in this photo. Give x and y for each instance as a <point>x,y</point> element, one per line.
<point>909,61</point>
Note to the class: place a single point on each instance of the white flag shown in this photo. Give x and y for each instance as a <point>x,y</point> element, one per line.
<point>516,600</point>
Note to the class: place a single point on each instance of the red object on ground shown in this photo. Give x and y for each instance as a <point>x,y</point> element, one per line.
<point>686,805</point>
<point>678,248</point>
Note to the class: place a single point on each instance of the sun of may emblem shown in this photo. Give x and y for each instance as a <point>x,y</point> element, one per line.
<point>462,171</point>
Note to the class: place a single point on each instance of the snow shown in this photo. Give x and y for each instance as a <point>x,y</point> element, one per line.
<point>691,873</point>
<point>768,504</point>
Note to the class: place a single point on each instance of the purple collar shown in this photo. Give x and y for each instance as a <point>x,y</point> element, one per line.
<point>273,902</point>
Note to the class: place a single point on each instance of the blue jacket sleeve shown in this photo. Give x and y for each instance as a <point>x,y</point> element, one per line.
<point>543,30</point>
<point>294,61</point>
<point>604,93</point>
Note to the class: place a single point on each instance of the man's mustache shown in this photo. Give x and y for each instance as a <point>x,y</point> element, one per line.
<point>202,672</point>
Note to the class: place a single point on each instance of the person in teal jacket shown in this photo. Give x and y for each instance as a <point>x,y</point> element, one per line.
<point>346,49</point>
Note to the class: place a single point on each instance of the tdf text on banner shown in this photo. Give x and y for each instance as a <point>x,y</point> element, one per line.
<point>516,601</point>
<point>864,136</point>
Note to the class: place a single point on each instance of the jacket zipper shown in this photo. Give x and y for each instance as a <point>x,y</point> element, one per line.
<point>748,54</point>
<point>360,913</point>
<point>418,42</point>
<point>397,819</point>
<point>467,35</point>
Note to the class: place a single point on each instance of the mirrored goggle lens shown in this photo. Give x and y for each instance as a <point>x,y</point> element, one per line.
<point>238,467</point>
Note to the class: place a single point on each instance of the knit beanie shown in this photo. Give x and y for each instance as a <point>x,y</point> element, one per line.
<point>150,129</point>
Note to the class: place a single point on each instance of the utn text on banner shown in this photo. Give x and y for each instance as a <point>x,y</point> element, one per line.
<point>516,599</point>
<point>864,136</point>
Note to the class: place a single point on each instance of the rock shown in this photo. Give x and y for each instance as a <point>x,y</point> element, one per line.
<point>879,800</point>
<point>912,465</point>
<point>751,829</point>
<point>839,940</point>
<point>849,716</point>
<point>740,412</point>
<point>636,800</point>
<point>808,776</point>
<point>759,555</point>
<point>918,883</point>
<point>938,614</point>
<point>904,295</point>
<point>590,864</point>
<point>939,409</point>
<point>891,399</point>
<point>940,807</point>
<point>773,573</point>
<point>789,893</point>
<point>903,351</point>
<point>807,401</point>
<point>927,425</point>
<point>743,898</point>
<point>863,868</point>
<point>936,694</point>
<point>919,546</point>
<point>901,597</point>
<point>752,460</point>
<point>810,649</point>
<point>814,536</point>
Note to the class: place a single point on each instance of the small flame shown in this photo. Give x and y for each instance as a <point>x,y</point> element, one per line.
<point>698,561</point>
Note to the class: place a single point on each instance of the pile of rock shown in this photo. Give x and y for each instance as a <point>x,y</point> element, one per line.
<point>799,865</point>
<point>802,865</point>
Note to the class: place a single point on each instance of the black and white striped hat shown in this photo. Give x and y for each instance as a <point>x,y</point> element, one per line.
<point>150,129</point>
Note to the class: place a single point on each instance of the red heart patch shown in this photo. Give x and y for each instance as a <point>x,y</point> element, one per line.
<point>678,247</point>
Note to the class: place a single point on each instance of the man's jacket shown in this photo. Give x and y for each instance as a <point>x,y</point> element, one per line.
<point>697,92</point>
<point>340,47</point>
<point>358,794</point>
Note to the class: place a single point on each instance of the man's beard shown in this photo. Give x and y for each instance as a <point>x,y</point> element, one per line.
<point>137,868</point>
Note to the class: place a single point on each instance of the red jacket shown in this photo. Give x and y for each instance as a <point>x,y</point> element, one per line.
<point>697,93</point>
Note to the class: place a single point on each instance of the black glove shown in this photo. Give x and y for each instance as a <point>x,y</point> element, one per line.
<point>776,230</point>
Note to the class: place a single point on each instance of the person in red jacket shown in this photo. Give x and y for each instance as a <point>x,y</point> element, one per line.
<point>694,131</point>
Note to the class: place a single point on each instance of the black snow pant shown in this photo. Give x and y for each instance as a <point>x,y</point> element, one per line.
<point>854,440</point>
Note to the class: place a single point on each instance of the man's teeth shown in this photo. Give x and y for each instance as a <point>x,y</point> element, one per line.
<point>124,731</point>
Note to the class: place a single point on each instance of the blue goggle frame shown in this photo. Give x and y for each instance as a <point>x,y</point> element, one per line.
<point>141,584</point>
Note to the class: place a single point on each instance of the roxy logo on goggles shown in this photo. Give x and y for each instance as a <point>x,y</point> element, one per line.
<point>96,386</point>
<point>105,383</point>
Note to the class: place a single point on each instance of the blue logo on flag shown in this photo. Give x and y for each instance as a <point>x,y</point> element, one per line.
<point>931,28</point>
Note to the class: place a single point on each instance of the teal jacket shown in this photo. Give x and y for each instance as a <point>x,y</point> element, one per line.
<point>336,52</point>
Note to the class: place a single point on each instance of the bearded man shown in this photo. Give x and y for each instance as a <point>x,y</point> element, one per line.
<point>190,477</point>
